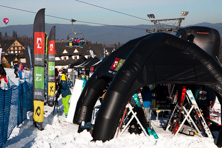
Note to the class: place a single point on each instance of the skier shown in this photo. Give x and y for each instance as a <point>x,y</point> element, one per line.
<point>65,92</point>
<point>16,70</point>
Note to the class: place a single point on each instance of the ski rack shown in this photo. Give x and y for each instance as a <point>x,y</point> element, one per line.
<point>187,117</point>
<point>131,119</point>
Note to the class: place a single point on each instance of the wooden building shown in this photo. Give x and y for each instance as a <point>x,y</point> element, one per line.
<point>13,51</point>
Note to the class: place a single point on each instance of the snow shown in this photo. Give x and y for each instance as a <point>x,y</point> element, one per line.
<point>59,133</point>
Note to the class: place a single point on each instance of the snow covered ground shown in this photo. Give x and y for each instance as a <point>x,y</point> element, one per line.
<point>58,133</point>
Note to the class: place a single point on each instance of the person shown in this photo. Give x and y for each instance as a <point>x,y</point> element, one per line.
<point>72,76</point>
<point>20,69</point>
<point>58,90</point>
<point>65,91</point>
<point>82,77</point>
<point>3,74</point>
<point>16,70</point>
<point>56,73</point>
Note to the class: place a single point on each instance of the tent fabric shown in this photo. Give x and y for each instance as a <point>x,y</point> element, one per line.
<point>201,37</point>
<point>89,62</point>
<point>78,62</point>
<point>153,59</point>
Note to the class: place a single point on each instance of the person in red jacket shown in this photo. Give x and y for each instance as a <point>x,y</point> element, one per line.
<point>3,74</point>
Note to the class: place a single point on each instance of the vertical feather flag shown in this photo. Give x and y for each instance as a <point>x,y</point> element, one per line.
<point>30,57</point>
<point>0,55</point>
<point>51,67</point>
<point>38,70</point>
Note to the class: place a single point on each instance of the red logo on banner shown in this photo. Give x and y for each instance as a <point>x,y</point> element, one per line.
<point>51,47</point>
<point>115,64</point>
<point>39,43</point>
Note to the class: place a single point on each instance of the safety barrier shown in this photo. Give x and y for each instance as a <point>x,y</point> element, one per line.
<point>15,102</point>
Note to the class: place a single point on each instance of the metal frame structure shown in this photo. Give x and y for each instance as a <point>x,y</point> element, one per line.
<point>167,29</point>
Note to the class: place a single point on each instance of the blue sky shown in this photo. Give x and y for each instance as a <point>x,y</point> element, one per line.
<point>199,11</point>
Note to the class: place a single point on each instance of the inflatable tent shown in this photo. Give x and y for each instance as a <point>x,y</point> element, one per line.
<point>90,62</point>
<point>152,59</point>
<point>81,60</point>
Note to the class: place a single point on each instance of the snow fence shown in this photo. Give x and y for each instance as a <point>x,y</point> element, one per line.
<point>15,102</point>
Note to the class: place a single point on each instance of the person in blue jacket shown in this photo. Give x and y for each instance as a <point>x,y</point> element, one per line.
<point>65,91</point>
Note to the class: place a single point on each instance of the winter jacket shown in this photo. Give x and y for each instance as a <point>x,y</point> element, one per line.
<point>3,73</point>
<point>2,70</point>
<point>65,91</point>
<point>20,67</point>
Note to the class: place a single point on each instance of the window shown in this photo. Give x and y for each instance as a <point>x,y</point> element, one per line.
<point>57,58</point>
<point>65,51</point>
<point>65,58</point>
<point>76,51</point>
<point>23,60</point>
<point>75,57</point>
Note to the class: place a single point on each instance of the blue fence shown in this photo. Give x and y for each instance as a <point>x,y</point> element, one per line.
<point>15,102</point>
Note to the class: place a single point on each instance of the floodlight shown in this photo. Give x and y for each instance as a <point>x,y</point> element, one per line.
<point>184,13</point>
<point>72,20</point>
<point>151,16</point>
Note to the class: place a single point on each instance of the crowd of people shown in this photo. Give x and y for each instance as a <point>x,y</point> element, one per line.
<point>76,42</point>
<point>64,82</point>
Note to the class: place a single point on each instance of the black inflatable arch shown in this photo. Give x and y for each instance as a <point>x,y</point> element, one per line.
<point>153,59</point>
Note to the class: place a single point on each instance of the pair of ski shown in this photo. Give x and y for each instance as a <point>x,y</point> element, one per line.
<point>178,122</point>
<point>175,122</point>
<point>199,114</point>
<point>147,113</point>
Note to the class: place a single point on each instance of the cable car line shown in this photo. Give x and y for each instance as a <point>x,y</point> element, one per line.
<point>112,10</point>
<point>85,22</point>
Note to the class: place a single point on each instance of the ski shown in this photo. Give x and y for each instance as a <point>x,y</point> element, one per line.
<point>198,112</point>
<point>180,110</point>
<point>170,120</point>
<point>151,131</point>
<point>149,128</point>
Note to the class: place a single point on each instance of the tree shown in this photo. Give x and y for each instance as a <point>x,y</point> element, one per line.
<point>6,36</point>
<point>14,35</point>
<point>1,38</point>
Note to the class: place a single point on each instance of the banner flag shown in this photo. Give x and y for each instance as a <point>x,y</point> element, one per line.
<point>51,67</point>
<point>0,55</point>
<point>30,57</point>
<point>38,70</point>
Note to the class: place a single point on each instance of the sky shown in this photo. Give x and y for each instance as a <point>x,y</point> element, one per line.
<point>199,11</point>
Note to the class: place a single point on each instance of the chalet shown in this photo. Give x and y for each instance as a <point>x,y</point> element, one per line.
<point>13,51</point>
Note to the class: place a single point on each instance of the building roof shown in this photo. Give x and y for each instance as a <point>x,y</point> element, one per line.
<point>60,47</point>
<point>63,50</point>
